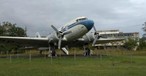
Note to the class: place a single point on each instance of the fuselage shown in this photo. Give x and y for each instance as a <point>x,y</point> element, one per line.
<point>78,27</point>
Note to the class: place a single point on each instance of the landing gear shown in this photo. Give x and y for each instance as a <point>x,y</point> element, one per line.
<point>87,51</point>
<point>41,51</point>
<point>52,51</point>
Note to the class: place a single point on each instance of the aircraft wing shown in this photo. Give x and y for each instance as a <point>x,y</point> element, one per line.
<point>108,40</point>
<point>101,40</point>
<point>27,41</point>
<point>43,42</point>
<point>80,42</point>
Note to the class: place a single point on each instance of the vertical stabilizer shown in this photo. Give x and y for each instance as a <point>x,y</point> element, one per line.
<point>37,35</point>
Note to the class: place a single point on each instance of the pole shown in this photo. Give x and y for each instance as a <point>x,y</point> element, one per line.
<point>10,58</point>
<point>74,54</point>
<point>29,55</point>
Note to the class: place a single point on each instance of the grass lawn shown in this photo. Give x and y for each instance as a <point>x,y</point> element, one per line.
<point>109,65</point>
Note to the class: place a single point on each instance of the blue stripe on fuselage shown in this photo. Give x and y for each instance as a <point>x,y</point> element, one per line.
<point>87,23</point>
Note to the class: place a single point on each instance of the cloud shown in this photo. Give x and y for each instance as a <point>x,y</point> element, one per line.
<point>38,15</point>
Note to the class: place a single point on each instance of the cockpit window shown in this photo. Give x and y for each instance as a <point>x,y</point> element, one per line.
<point>81,19</point>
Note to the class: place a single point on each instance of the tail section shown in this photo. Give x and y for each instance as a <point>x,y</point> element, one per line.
<point>37,35</point>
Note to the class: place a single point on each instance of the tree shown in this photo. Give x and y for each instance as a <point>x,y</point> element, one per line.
<point>1,30</point>
<point>142,44</point>
<point>144,29</point>
<point>142,41</point>
<point>9,29</point>
<point>16,31</point>
<point>130,44</point>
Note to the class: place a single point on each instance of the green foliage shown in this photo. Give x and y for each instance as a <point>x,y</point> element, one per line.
<point>67,66</point>
<point>130,44</point>
<point>7,47</point>
<point>1,30</point>
<point>142,44</point>
<point>9,29</point>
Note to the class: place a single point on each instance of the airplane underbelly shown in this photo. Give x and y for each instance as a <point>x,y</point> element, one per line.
<point>77,32</point>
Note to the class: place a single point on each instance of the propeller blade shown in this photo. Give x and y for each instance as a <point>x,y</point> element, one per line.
<point>59,42</point>
<point>94,28</point>
<point>55,28</point>
<point>96,37</point>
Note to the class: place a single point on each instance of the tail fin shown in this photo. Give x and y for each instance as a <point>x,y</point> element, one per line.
<point>37,35</point>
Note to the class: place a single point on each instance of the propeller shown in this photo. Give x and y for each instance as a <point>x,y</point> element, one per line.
<point>60,35</point>
<point>96,36</point>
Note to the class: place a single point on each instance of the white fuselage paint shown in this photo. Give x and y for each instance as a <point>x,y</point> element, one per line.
<point>77,28</point>
<point>76,32</point>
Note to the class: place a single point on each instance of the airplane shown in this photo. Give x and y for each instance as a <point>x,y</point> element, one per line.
<point>73,33</point>
<point>69,32</point>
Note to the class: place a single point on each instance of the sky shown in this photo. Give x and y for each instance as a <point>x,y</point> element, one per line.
<point>39,15</point>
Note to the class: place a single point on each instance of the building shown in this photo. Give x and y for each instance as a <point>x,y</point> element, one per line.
<point>116,34</point>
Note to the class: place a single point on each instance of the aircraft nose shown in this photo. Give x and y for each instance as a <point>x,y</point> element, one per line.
<point>89,24</point>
